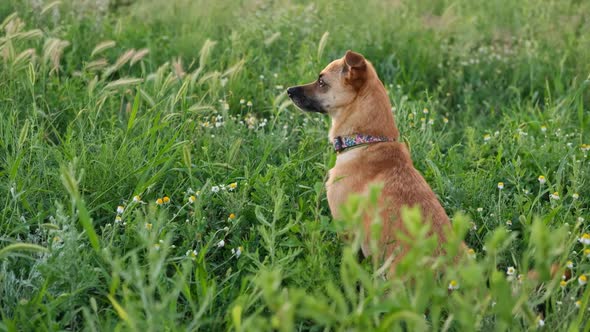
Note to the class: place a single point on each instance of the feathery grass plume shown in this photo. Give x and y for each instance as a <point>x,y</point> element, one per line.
<point>13,25</point>
<point>123,58</point>
<point>234,70</point>
<point>7,20</point>
<point>177,66</point>
<point>140,54</point>
<point>52,52</point>
<point>91,86</point>
<point>123,82</point>
<point>28,35</point>
<point>102,46</point>
<point>96,65</point>
<point>272,38</point>
<point>11,248</point>
<point>322,45</point>
<point>24,57</point>
<point>205,52</point>
<point>49,7</point>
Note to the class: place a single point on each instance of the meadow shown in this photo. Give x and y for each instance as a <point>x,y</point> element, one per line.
<point>155,177</point>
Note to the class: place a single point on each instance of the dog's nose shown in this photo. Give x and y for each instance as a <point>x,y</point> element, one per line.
<point>291,91</point>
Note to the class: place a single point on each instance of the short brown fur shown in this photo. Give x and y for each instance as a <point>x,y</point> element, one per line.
<point>349,90</point>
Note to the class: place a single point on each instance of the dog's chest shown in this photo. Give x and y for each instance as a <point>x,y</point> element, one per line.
<point>346,177</point>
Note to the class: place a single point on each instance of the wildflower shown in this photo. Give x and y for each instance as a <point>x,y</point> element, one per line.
<point>237,251</point>
<point>221,244</point>
<point>542,179</point>
<point>225,229</point>
<point>120,209</point>
<point>166,199</point>
<point>453,285</point>
<point>157,246</point>
<point>540,321</point>
<point>510,271</point>
<point>148,226</point>
<point>585,239</point>
<point>215,189</point>
<point>554,196</point>
<point>279,87</point>
<point>118,219</point>
<point>192,199</point>
<point>562,284</point>
<point>587,252</point>
<point>569,264</point>
<point>159,201</point>
<point>578,304</point>
<point>479,209</point>
<point>471,253</point>
<point>509,223</point>
<point>233,186</point>
<point>136,199</point>
<point>445,120</point>
<point>473,226</point>
<point>500,185</point>
<point>242,101</point>
<point>585,147</point>
<point>232,216</point>
<point>56,239</point>
<point>249,104</point>
<point>222,187</point>
<point>575,195</point>
<point>192,253</point>
<point>582,280</point>
<point>487,137</point>
<point>425,111</point>
<point>543,128</point>
<point>580,219</point>
<point>520,278</point>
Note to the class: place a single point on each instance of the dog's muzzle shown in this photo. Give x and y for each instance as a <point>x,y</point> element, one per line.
<point>302,101</point>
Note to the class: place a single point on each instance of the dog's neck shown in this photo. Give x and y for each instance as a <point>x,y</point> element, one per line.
<point>369,114</point>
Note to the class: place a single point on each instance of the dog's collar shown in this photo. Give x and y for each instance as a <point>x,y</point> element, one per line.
<point>342,143</point>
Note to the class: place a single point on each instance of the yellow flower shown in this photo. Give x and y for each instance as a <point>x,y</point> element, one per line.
<point>563,283</point>
<point>148,226</point>
<point>471,253</point>
<point>575,195</point>
<point>569,264</point>
<point>554,196</point>
<point>232,216</point>
<point>487,137</point>
<point>585,239</point>
<point>587,253</point>
<point>166,199</point>
<point>233,186</point>
<point>542,179</point>
<point>136,199</point>
<point>118,219</point>
<point>192,199</point>
<point>500,185</point>
<point>159,201</point>
<point>578,304</point>
<point>582,280</point>
<point>120,209</point>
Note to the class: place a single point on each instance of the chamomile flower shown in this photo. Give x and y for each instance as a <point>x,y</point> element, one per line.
<point>192,199</point>
<point>136,199</point>
<point>118,219</point>
<point>157,246</point>
<point>542,179</point>
<point>487,137</point>
<point>540,322</point>
<point>242,101</point>
<point>425,111</point>
<point>148,226</point>
<point>232,186</point>
<point>232,216</point>
<point>237,251</point>
<point>582,280</point>
<point>221,244</point>
<point>585,239</point>
<point>471,253</point>
<point>166,199</point>
<point>575,195</point>
<point>509,223</point>
<point>445,120</point>
<point>543,128</point>
<point>587,252</point>
<point>120,209</point>
<point>510,271</point>
<point>192,253</point>
<point>479,209</point>
<point>215,189</point>
<point>569,264</point>
<point>249,103</point>
<point>159,201</point>
<point>562,284</point>
<point>500,185</point>
<point>453,285</point>
<point>578,304</point>
<point>554,196</point>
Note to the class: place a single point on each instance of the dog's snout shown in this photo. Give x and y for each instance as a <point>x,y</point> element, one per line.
<point>292,91</point>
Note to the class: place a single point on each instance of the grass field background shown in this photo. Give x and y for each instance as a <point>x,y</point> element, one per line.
<point>155,176</point>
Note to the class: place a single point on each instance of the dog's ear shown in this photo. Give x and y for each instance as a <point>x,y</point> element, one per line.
<point>355,67</point>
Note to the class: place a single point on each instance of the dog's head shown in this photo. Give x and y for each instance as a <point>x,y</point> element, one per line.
<point>337,85</point>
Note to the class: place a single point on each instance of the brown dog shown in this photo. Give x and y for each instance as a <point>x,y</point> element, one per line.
<point>365,137</point>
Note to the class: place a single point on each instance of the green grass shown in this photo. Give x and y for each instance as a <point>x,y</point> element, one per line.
<point>87,125</point>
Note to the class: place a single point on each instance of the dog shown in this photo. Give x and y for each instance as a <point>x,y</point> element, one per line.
<point>366,140</point>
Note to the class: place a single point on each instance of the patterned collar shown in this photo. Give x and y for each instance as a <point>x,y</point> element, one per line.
<point>341,143</point>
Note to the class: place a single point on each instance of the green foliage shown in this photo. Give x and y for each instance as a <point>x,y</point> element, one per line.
<point>156,177</point>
